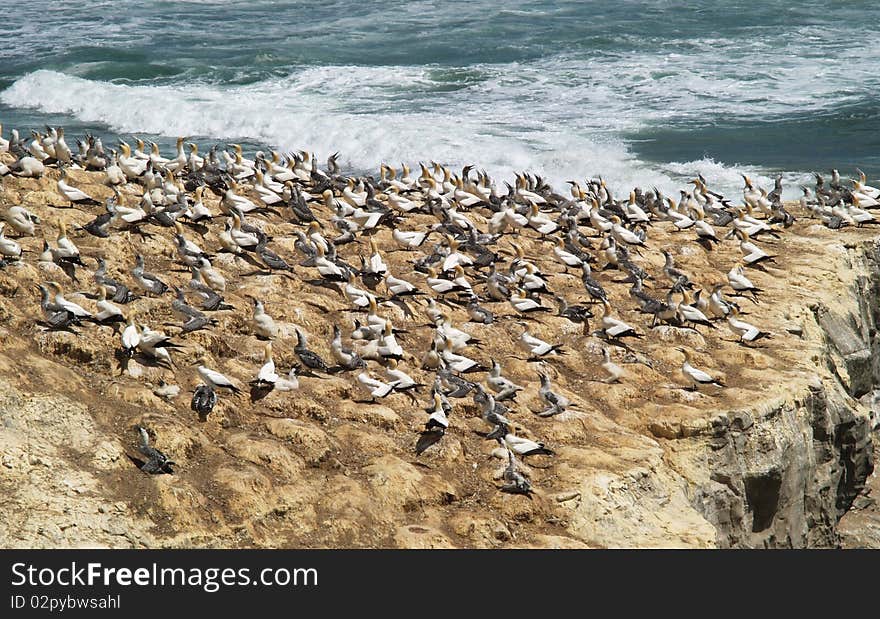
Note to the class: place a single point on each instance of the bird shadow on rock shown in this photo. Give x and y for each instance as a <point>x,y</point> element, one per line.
<point>258,392</point>
<point>428,438</point>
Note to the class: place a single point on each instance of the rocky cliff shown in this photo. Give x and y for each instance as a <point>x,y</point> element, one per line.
<point>775,459</point>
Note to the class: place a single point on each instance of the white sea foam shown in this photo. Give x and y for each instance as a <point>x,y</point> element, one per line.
<point>561,119</point>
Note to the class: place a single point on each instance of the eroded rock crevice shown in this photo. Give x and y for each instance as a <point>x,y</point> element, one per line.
<point>784,475</point>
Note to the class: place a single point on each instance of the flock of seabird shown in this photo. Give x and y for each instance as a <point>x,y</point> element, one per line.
<point>474,261</point>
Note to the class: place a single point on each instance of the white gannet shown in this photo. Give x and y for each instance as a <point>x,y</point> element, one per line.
<point>108,312</point>
<point>525,447</point>
<point>536,347</point>
<point>214,378</point>
<point>614,371</point>
<point>71,193</point>
<point>624,235</point>
<point>744,331</point>
<point>409,239</point>
<point>375,387</point>
<point>8,247</point>
<point>454,361</point>
<point>614,327</point>
<point>243,239</point>
<point>262,323</point>
<point>400,379</point>
<point>524,304</point>
<point>752,254</point>
<point>114,173</point>
<point>694,376</point>
<point>210,275</point>
<point>717,306</point>
<point>564,256</point>
<point>76,311</point>
<point>231,202</point>
<point>21,220</point>
<point>131,335</point>
<point>28,167</point>
<point>345,357</point>
<point>437,417</point>
<point>198,211</point>
<point>266,377</point>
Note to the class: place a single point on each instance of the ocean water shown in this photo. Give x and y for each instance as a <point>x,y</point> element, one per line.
<point>644,93</point>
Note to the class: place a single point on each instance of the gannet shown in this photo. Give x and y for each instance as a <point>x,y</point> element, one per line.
<point>614,327</point>
<point>515,482</point>
<point>213,378</point>
<point>36,147</point>
<point>72,194</point>
<point>262,323</point>
<point>525,305</point>
<point>113,172</point>
<point>21,220</point>
<point>166,392</point>
<point>107,311</point>
<point>309,358</point>
<point>694,376</point>
<point>75,311</point>
<point>66,249</point>
<point>614,371</point>
<point>8,247</point>
<point>741,284</point>
<point>409,239</point>
<point>147,281</point>
<point>861,186</point>
<point>679,219</point>
<point>345,358</point>
<point>705,232</point>
<point>28,167</point>
<point>193,318</point>
<point>357,296</point>
<point>752,254</point>
<point>402,381</point>
<point>690,314</point>
<point>128,215</point>
<point>624,235</point>
<point>859,215</point>
<point>744,331</point>
<point>525,447</point>
<point>156,344</point>
<point>157,462</point>
<point>376,388</point>
<point>203,401</point>
<point>564,256</point>
<point>242,238</point>
<point>536,347</point>
<point>188,251</point>
<point>593,287</point>
<point>578,314</point>
<point>131,335</point>
<point>751,195</point>
<point>555,403</point>
<point>717,306</point>
<point>437,416</point>
<point>211,276</point>
<point>504,388</point>
<point>454,361</point>
<point>492,412</point>
<point>198,211</point>
<point>266,377</point>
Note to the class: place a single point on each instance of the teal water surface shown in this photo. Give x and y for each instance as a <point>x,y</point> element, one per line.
<point>641,92</point>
